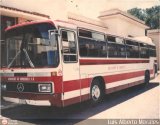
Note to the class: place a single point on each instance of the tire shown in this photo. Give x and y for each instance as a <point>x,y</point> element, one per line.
<point>147,78</point>
<point>96,92</point>
<point>155,70</point>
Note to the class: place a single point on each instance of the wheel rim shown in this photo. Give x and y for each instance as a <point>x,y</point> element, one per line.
<point>95,92</point>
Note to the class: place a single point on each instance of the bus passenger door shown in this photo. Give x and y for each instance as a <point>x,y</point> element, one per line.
<point>70,65</point>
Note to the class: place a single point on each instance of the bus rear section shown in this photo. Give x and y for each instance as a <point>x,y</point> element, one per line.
<point>111,63</point>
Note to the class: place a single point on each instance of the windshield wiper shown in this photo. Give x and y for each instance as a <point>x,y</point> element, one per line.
<point>14,59</point>
<point>28,58</point>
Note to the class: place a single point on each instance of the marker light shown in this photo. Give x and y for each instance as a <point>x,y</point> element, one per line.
<point>53,73</point>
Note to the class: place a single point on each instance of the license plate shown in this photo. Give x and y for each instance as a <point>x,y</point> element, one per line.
<point>22,101</point>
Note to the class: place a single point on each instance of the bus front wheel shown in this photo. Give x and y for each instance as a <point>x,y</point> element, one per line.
<point>96,91</point>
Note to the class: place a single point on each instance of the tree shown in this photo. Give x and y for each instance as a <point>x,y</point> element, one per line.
<point>151,16</point>
<point>139,13</point>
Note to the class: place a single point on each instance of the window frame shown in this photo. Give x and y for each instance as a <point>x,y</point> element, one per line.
<point>92,39</point>
<point>132,45</point>
<point>116,44</point>
<point>152,48</point>
<point>76,42</point>
<point>145,46</point>
<point>92,31</point>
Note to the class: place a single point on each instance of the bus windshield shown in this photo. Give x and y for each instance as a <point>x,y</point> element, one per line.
<point>31,46</point>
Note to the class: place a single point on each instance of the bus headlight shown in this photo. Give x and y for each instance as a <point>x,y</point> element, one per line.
<point>45,87</point>
<point>3,87</point>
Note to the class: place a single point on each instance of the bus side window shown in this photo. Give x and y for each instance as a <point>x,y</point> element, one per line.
<point>69,49</point>
<point>152,51</point>
<point>83,47</point>
<point>112,46</point>
<point>112,51</point>
<point>116,47</point>
<point>132,49</point>
<point>144,51</point>
<point>92,43</point>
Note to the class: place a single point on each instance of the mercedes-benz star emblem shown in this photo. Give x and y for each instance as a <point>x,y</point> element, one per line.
<point>20,87</point>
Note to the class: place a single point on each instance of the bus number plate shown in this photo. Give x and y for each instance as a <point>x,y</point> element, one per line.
<point>22,101</point>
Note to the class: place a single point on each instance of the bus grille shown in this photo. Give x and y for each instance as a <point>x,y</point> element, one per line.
<point>28,87</point>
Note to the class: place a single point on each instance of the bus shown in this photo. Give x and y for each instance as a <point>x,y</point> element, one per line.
<point>57,63</point>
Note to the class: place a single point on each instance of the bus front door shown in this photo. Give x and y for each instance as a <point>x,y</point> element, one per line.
<point>70,64</point>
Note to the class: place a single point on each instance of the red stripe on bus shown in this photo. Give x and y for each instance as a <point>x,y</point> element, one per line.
<point>87,96</point>
<point>85,83</point>
<point>66,86</point>
<point>96,61</point>
<point>71,85</point>
<point>124,76</point>
<point>151,71</point>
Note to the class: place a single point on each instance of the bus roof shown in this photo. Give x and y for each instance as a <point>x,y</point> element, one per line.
<point>142,39</point>
<point>65,24</point>
<point>28,23</point>
<point>57,23</point>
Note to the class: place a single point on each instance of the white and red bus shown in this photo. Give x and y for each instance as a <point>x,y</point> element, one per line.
<point>55,63</point>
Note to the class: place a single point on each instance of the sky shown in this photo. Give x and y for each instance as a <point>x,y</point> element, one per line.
<point>89,8</point>
<point>93,7</point>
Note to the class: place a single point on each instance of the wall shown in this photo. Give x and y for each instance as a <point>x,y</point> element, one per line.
<point>155,36</point>
<point>123,26</point>
<point>56,9</point>
<point>86,22</point>
<point>121,23</point>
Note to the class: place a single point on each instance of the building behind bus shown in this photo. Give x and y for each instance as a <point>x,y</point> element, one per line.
<point>112,21</point>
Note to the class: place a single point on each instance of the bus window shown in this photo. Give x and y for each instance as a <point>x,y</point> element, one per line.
<point>93,48</point>
<point>92,44</point>
<point>102,48</point>
<point>98,36</point>
<point>132,49</point>
<point>85,33</point>
<point>144,51</point>
<point>116,47</point>
<point>111,39</point>
<point>69,46</point>
<point>91,34</point>
<point>152,51</point>
<point>83,47</point>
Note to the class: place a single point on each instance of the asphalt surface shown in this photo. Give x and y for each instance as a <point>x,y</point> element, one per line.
<point>134,103</point>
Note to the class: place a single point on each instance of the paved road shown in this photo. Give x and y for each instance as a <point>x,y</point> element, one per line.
<point>134,103</point>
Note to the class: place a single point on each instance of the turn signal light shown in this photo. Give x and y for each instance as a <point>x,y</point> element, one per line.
<point>53,73</point>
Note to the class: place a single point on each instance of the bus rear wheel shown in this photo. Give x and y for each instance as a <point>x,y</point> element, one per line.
<point>96,92</point>
<point>147,78</point>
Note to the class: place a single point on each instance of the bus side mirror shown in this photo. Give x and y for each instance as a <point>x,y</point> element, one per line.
<point>52,33</point>
<point>53,36</point>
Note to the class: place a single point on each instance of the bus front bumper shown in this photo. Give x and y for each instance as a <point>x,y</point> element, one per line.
<point>27,101</point>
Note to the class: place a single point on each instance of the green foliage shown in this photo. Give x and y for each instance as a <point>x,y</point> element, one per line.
<point>151,16</point>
